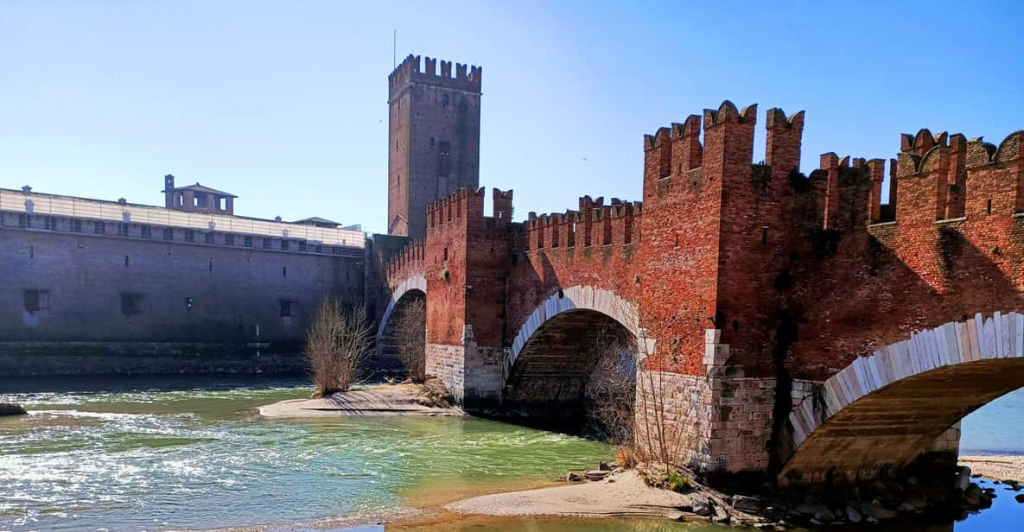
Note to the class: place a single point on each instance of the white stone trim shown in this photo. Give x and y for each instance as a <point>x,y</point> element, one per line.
<point>577,297</point>
<point>416,282</point>
<point>999,336</point>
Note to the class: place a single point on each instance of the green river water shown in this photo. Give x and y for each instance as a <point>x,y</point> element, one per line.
<point>161,453</point>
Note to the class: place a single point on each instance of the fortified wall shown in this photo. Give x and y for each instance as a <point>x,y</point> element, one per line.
<point>748,287</point>
<point>96,286</point>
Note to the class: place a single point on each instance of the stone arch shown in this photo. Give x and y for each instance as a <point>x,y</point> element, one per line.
<point>579,345</point>
<point>575,297</point>
<point>885,410</point>
<point>389,341</point>
<point>416,282</point>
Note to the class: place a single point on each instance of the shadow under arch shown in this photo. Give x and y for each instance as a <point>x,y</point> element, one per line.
<point>882,412</point>
<point>572,364</point>
<point>387,361</point>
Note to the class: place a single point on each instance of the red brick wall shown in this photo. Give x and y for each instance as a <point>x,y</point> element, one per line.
<point>720,242</point>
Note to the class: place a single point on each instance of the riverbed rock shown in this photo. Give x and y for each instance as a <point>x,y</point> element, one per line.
<point>11,409</point>
<point>880,512</point>
<point>703,509</point>
<point>750,505</point>
<point>1019,498</point>
<point>573,477</point>
<point>963,479</point>
<point>852,515</point>
<point>595,475</point>
<point>603,466</point>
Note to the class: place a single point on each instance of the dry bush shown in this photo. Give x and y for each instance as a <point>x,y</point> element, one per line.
<point>335,344</point>
<point>612,388</point>
<point>411,337</point>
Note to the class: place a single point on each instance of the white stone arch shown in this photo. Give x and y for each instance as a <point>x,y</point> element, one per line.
<point>416,282</point>
<point>983,344</point>
<point>579,297</point>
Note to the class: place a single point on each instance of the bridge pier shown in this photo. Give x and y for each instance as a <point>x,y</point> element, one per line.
<point>472,373</point>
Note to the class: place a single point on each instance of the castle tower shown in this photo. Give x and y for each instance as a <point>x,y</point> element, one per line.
<point>433,139</point>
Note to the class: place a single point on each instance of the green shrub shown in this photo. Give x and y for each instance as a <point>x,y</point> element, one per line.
<point>676,482</point>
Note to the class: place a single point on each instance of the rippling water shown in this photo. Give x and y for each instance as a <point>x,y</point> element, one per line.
<point>188,452</point>
<point>196,456</point>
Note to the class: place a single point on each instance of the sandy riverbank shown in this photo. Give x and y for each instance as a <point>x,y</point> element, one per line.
<point>996,467</point>
<point>625,494</point>
<point>379,400</point>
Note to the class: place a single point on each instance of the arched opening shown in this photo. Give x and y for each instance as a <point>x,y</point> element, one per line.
<point>576,372</point>
<point>401,340</point>
<point>887,411</point>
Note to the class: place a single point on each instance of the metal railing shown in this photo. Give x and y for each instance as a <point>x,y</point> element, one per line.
<point>52,205</point>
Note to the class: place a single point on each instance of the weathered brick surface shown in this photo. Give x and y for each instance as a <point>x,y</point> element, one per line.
<point>801,274</point>
<point>433,140</point>
<point>232,289</point>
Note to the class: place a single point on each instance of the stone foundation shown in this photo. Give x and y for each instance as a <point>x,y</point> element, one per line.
<point>447,362</point>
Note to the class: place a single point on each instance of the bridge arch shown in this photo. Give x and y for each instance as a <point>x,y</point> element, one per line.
<point>883,411</point>
<point>578,345</point>
<point>410,290</point>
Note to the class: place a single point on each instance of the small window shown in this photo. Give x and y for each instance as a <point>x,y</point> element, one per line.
<point>229,240</point>
<point>76,225</point>
<point>302,245</point>
<point>267,243</point>
<point>337,250</point>
<point>122,229</point>
<point>445,254</point>
<point>208,238</point>
<point>50,223</point>
<point>444,100</point>
<point>24,221</point>
<point>168,233</point>
<point>36,300</point>
<point>431,142</point>
<point>284,245</point>
<point>248,241</point>
<point>131,304</point>
<point>190,235</point>
<point>99,228</point>
<point>147,232</point>
<point>288,309</point>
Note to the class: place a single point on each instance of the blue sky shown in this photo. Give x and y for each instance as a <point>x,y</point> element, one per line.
<point>285,103</point>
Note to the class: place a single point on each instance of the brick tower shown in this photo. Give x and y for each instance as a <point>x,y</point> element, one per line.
<point>433,139</point>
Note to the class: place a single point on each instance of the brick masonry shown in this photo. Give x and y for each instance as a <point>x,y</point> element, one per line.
<point>800,275</point>
<point>433,139</point>
<point>208,297</point>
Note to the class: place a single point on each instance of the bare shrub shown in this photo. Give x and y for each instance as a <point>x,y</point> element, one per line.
<point>411,337</point>
<point>335,344</point>
<point>611,390</point>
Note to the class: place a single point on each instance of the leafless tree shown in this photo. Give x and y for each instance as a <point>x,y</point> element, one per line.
<point>411,339</point>
<point>611,390</point>
<point>335,344</point>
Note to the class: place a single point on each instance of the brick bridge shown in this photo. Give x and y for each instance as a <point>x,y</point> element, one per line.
<point>800,325</point>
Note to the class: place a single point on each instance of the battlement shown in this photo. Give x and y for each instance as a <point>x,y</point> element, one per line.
<point>950,176</point>
<point>466,206</point>
<point>594,224</point>
<point>410,259</point>
<point>466,78</point>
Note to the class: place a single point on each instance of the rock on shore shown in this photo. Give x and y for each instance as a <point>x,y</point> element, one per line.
<point>11,409</point>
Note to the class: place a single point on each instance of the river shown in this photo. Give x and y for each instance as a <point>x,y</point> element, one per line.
<point>156,453</point>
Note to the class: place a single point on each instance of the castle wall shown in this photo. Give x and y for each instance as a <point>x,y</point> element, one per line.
<point>128,295</point>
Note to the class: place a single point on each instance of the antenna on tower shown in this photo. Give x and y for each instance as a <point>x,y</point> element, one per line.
<point>394,49</point>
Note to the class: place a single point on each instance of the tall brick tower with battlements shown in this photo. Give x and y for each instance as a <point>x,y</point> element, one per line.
<point>433,139</point>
